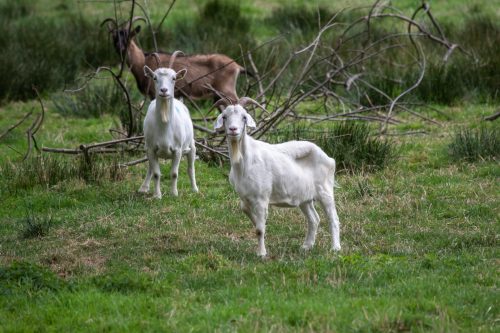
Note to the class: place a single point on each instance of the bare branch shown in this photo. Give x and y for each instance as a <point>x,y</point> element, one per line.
<point>8,130</point>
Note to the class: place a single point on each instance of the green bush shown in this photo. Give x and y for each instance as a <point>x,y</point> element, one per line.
<point>476,144</point>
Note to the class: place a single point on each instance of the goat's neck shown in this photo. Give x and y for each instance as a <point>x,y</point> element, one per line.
<point>135,59</point>
<point>164,108</point>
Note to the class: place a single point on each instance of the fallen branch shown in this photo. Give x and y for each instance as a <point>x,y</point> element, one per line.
<point>493,116</point>
<point>26,116</point>
<point>127,164</point>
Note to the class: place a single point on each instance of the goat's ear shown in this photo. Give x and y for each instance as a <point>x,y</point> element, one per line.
<point>135,31</point>
<point>181,74</point>
<point>219,123</point>
<point>148,72</point>
<point>250,122</point>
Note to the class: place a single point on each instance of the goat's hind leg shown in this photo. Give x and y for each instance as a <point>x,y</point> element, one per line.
<point>327,201</point>
<point>191,158</point>
<point>312,224</point>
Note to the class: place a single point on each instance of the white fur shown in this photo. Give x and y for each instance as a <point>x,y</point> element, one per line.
<point>290,174</point>
<point>168,131</point>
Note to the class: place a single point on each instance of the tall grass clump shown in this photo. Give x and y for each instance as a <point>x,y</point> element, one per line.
<point>49,170</point>
<point>351,144</point>
<point>299,19</point>
<point>471,145</point>
<point>93,101</point>
<point>220,27</point>
<point>35,226</point>
<point>45,53</point>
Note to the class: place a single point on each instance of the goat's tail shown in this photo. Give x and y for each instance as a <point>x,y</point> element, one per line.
<point>245,71</point>
<point>333,166</point>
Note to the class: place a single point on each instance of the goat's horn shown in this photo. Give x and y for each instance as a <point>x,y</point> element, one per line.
<point>138,18</point>
<point>157,57</point>
<point>109,19</point>
<point>244,100</point>
<point>132,21</point>
<point>220,102</point>
<point>172,58</point>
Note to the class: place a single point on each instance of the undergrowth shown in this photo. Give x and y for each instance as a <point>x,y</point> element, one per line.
<point>48,170</point>
<point>471,145</point>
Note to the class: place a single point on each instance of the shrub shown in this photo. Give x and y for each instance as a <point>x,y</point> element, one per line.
<point>351,144</point>
<point>476,144</point>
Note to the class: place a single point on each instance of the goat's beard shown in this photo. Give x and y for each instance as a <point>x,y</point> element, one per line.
<point>165,108</point>
<point>235,151</point>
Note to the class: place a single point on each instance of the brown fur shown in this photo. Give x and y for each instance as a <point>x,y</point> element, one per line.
<point>217,71</point>
<point>203,71</point>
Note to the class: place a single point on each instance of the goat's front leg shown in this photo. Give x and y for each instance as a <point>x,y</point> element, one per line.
<point>258,214</point>
<point>191,159</point>
<point>145,185</point>
<point>174,172</point>
<point>154,165</point>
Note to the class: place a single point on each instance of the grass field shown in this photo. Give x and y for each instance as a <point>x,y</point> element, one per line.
<point>84,252</point>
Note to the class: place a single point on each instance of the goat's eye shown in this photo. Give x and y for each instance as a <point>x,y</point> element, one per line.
<point>245,118</point>
<point>224,117</point>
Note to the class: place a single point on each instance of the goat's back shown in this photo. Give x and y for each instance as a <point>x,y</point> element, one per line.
<point>306,153</point>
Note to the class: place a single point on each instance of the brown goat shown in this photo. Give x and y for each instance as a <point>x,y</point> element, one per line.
<point>206,73</point>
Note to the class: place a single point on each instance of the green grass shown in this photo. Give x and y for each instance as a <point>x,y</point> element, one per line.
<point>420,249</point>
<point>82,251</point>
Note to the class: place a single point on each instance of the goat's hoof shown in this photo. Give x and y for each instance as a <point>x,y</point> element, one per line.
<point>195,189</point>
<point>336,248</point>
<point>157,196</point>
<point>143,190</point>
<point>262,254</point>
<point>307,247</point>
<point>175,193</point>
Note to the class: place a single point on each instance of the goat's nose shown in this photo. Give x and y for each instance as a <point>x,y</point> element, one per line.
<point>233,128</point>
<point>163,90</point>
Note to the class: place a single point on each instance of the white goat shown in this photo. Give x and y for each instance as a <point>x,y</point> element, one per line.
<point>168,130</point>
<point>290,174</point>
